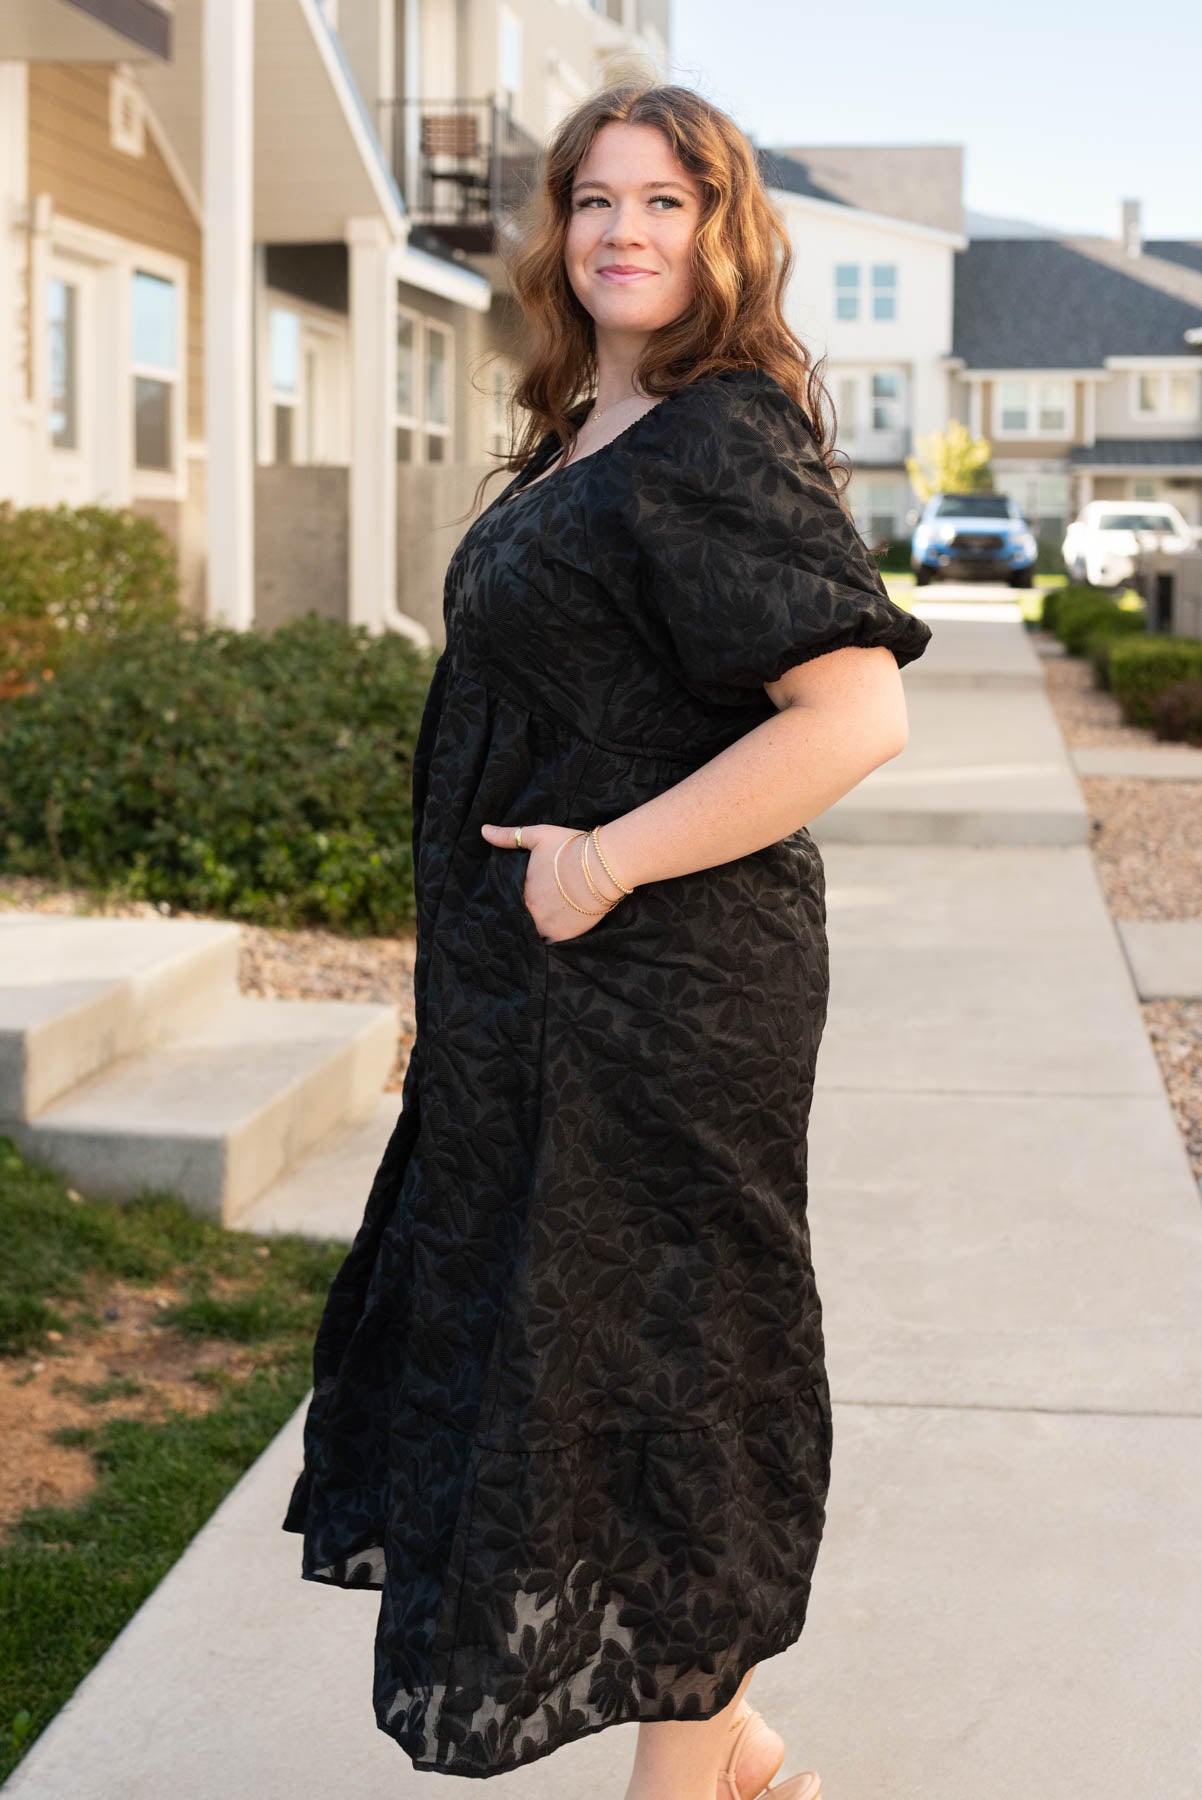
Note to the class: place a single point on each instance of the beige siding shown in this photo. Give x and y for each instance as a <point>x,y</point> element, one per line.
<point>1079,412</point>
<point>1004,448</point>
<point>72,159</point>
<point>986,408</point>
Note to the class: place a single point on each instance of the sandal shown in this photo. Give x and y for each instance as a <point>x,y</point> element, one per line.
<point>806,1786</point>
<point>747,1720</point>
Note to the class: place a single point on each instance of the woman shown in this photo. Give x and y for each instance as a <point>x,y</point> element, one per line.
<point>570,1406</point>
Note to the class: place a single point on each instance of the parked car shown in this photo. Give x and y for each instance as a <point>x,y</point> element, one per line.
<point>980,535</point>
<point>1101,544</point>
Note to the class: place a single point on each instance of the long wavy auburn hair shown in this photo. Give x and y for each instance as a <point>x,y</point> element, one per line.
<point>742,261</point>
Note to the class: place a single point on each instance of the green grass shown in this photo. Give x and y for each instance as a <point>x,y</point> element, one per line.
<point>70,1577</point>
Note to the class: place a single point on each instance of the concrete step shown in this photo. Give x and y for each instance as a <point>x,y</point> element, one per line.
<point>1156,762</point>
<point>220,1111</point>
<point>1164,956</point>
<point>324,1196</point>
<point>78,993</point>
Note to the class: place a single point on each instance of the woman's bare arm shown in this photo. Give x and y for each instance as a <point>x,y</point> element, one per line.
<point>839,717</point>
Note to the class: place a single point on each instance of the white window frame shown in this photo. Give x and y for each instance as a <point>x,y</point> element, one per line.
<point>1036,388</point>
<point>1162,411</point>
<point>278,397</point>
<point>884,292</point>
<point>500,381</point>
<point>111,390</point>
<point>855,427</point>
<point>896,401</point>
<point>149,482</point>
<point>847,291</point>
<point>324,441</point>
<point>419,423</point>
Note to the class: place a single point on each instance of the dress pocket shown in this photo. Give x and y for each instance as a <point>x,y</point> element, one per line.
<point>508,880</point>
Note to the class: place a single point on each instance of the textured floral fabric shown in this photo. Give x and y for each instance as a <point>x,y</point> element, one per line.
<point>570,1409</point>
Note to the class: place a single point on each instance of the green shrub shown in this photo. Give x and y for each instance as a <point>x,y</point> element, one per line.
<point>1177,711</point>
<point>74,573</point>
<point>1142,667</point>
<point>261,777</point>
<point>1071,590</point>
<point>1080,615</point>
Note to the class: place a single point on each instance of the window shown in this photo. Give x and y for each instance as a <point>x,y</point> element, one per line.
<point>1053,406</point>
<point>438,392</point>
<point>884,290</point>
<point>1165,394</point>
<point>1143,490</point>
<point>155,370</point>
<point>881,512</point>
<point>886,400</point>
<point>847,408</point>
<point>1042,500</point>
<point>1014,399</point>
<point>500,377</point>
<point>64,364</point>
<point>1033,408</point>
<point>285,380</point>
<point>847,290</point>
<point>1183,396</point>
<point>424,388</point>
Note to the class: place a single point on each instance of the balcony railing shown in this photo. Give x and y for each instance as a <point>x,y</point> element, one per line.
<point>461,165</point>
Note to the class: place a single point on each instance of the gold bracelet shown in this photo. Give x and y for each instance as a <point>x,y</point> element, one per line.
<point>590,912</point>
<point>596,837</point>
<point>606,900</point>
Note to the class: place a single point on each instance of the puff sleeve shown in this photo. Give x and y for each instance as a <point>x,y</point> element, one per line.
<point>745,564</point>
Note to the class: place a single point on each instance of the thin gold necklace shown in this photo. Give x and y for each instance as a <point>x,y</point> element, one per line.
<point>594,414</point>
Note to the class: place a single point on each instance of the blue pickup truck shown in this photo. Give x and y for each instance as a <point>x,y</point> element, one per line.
<point>973,536</point>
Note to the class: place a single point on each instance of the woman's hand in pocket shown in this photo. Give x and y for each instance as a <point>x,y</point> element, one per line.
<point>554,918</point>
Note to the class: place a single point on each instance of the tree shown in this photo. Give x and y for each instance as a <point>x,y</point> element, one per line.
<point>958,463</point>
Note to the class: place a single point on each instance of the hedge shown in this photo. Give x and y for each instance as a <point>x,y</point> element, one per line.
<point>260,777</point>
<point>1081,616</point>
<point>1177,711</point>
<point>74,573</point>
<point>1141,667</point>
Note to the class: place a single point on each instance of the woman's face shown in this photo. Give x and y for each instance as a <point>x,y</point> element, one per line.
<point>634,214</point>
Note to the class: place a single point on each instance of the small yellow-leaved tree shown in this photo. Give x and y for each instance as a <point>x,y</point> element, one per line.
<point>955,463</point>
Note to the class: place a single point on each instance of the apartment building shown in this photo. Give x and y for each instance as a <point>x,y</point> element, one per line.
<point>1080,358</point>
<point>875,232</point>
<point>248,273</point>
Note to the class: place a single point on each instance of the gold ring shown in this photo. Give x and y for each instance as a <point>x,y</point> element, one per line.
<point>517,837</point>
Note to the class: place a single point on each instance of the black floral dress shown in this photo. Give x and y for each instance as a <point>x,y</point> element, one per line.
<point>570,1409</point>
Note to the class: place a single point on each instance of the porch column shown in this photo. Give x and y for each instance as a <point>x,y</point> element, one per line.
<point>14,252</point>
<point>228,137</point>
<point>372,576</point>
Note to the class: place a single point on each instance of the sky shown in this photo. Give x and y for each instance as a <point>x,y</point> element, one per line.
<point>1063,110</point>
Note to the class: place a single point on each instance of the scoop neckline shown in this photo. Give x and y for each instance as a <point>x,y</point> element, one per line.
<point>539,481</point>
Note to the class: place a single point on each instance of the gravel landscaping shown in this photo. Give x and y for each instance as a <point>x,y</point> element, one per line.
<point>1146,838</point>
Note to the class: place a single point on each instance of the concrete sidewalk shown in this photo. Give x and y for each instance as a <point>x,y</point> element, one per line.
<point>1008,1240</point>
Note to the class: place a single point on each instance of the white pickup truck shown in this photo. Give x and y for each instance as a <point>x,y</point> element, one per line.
<point>1101,545</point>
